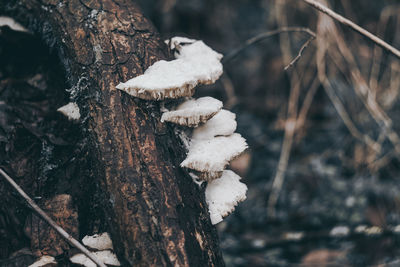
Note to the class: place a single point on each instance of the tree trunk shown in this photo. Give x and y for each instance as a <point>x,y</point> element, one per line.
<point>156,215</point>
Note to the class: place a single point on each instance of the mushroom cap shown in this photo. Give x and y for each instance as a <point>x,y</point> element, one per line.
<point>223,194</point>
<point>222,123</point>
<point>196,63</point>
<point>14,25</point>
<point>213,155</point>
<point>71,111</point>
<point>43,261</point>
<point>106,256</point>
<point>192,112</point>
<point>98,241</point>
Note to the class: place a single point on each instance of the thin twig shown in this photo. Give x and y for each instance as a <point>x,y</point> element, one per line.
<point>263,36</point>
<point>354,26</point>
<point>50,221</point>
<point>361,87</point>
<point>322,50</point>
<point>307,103</point>
<point>279,178</point>
<point>303,47</point>
<point>291,120</point>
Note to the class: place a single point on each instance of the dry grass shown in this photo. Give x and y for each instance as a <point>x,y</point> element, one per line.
<point>342,60</point>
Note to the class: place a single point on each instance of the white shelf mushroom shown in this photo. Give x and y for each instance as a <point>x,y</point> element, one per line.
<point>101,242</point>
<point>106,256</point>
<point>10,22</point>
<point>223,194</point>
<point>43,261</point>
<point>208,158</point>
<point>98,241</point>
<point>71,111</point>
<point>223,123</point>
<point>193,112</point>
<point>214,144</point>
<point>195,63</point>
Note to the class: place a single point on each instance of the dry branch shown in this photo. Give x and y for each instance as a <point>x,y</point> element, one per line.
<point>268,34</point>
<point>354,26</point>
<point>50,221</point>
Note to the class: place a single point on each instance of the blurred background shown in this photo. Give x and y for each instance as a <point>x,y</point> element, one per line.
<point>323,166</point>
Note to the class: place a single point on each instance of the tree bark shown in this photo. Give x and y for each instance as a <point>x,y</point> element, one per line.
<point>156,215</point>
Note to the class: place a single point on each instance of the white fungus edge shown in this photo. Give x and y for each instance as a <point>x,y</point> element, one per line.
<point>71,111</point>
<point>221,124</point>
<point>98,241</point>
<point>193,112</point>
<point>195,63</point>
<point>14,25</point>
<point>105,256</point>
<point>42,261</point>
<point>224,194</point>
<point>208,158</point>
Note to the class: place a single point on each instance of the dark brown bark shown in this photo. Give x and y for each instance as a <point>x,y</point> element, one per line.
<point>156,215</point>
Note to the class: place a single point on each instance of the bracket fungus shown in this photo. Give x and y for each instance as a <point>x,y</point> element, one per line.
<point>221,124</point>
<point>223,194</point>
<point>195,63</point>
<point>213,144</point>
<point>10,22</point>
<point>106,256</point>
<point>98,241</point>
<point>71,111</point>
<point>103,244</point>
<point>44,261</point>
<point>208,158</point>
<point>192,112</point>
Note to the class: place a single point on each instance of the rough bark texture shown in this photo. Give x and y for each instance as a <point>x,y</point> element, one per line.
<point>157,216</point>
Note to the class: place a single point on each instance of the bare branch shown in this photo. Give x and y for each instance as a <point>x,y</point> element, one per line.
<point>354,26</point>
<point>50,221</point>
<point>303,47</point>
<point>263,36</point>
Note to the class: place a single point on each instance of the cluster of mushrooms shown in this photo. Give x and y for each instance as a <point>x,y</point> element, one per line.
<point>213,143</point>
<point>100,245</point>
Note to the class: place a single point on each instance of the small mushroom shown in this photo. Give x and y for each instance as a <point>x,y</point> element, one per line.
<point>208,158</point>
<point>223,194</point>
<point>106,256</point>
<point>193,112</point>
<point>98,241</point>
<point>195,63</point>
<point>44,261</point>
<point>223,123</point>
<point>10,22</point>
<point>71,111</point>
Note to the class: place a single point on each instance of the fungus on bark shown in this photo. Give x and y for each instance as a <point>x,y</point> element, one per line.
<point>221,124</point>
<point>10,22</point>
<point>43,261</point>
<point>192,112</point>
<point>71,111</point>
<point>214,144</point>
<point>208,158</point>
<point>195,63</point>
<point>223,194</point>
<point>106,256</point>
<point>98,241</point>
<point>103,244</point>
